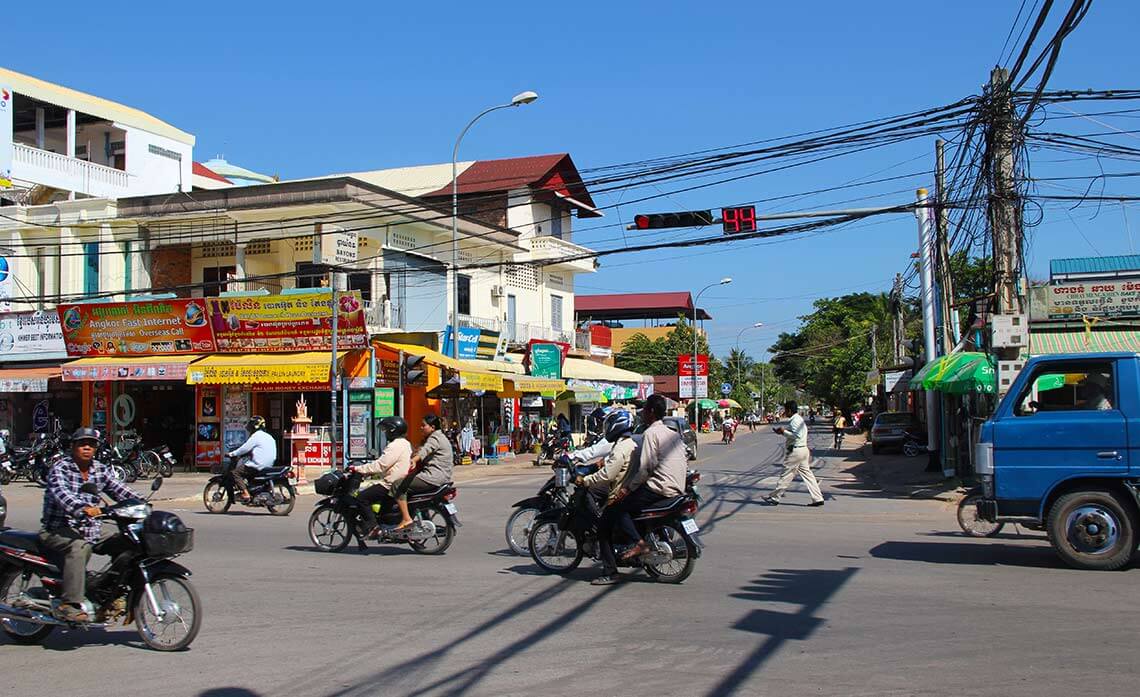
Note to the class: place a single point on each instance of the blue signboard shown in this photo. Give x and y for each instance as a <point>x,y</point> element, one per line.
<point>468,342</point>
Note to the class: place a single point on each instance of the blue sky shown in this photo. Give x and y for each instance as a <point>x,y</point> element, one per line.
<point>285,89</point>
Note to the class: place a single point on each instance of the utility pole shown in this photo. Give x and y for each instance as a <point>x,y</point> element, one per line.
<point>926,294</point>
<point>898,329</point>
<point>1005,203</point>
<point>951,332</point>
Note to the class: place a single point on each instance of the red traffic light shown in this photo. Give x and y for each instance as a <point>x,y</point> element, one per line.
<point>656,221</point>
<point>641,222</point>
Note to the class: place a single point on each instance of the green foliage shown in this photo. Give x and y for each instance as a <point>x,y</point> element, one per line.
<point>659,356</point>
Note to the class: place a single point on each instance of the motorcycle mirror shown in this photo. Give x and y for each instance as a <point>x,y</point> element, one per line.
<point>89,488</point>
<point>156,484</point>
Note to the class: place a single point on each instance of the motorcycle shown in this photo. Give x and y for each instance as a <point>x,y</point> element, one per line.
<point>140,583</point>
<point>554,493</point>
<point>728,433</point>
<point>269,488</point>
<point>554,445</point>
<point>336,519</point>
<point>968,519</point>
<point>31,462</point>
<point>561,537</point>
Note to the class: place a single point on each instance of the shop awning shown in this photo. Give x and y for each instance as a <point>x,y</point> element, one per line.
<point>582,369</point>
<point>311,367</point>
<point>958,373</point>
<point>31,379</point>
<point>431,356</point>
<point>1043,343</point>
<point>706,404</point>
<point>506,367</point>
<point>128,368</point>
<point>529,384</point>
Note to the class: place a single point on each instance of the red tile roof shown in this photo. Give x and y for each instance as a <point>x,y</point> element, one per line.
<point>550,172</point>
<point>663,305</point>
<point>203,171</point>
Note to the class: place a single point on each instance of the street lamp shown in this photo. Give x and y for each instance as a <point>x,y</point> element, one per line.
<point>518,100</point>
<point>754,326</point>
<point>696,408</point>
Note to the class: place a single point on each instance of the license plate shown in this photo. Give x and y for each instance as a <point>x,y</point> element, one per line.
<point>450,508</point>
<point>690,526</point>
<point>168,457</point>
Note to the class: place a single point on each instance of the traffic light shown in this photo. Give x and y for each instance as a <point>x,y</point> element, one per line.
<point>738,219</point>
<point>412,370</point>
<point>655,221</point>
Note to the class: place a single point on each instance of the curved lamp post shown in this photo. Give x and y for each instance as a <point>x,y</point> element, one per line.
<point>754,326</point>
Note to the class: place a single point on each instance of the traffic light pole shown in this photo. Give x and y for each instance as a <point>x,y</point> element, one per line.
<point>805,214</point>
<point>333,370</point>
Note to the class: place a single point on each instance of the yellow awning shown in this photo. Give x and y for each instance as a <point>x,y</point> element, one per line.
<point>262,368</point>
<point>476,381</point>
<point>529,384</point>
<point>434,357</point>
<point>127,368</point>
<point>492,366</point>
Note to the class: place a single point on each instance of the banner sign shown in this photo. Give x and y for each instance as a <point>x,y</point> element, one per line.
<point>477,382</point>
<point>335,248</point>
<point>6,113</point>
<point>383,402</point>
<point>30,332</point>
<point>1094,299</point>
<point>546,361</point>
<point>126,371</point>
<point>278,323</point>
<point>23,384</point>
<point>311,373</point>
<point>468,342</point>
<point>692,379</point>
<point>896,380</point>
<point>151,328</point>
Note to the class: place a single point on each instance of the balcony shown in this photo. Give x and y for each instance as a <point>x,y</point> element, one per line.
<point>520,332</point>
<point>548,247</point>
<point>67,173</point>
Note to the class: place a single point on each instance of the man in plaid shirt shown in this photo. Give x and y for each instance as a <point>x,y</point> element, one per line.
<point>70,522</point>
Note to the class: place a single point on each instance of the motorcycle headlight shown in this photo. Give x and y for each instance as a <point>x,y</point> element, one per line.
<point>138,511</point>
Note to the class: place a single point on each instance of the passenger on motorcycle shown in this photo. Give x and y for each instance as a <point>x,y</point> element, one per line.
<point>660,474</point>
<point>70,516</point>
<point>257,452</point>
<point>434,460</point>
<point>617,429</point>
<point>392,466</point>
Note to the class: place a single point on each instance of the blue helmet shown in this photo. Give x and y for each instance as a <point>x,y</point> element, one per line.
<point>618,423</point>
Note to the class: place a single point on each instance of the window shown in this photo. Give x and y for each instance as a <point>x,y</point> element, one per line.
<point>216,278</point>
<point>1069,386</point>
<point>464,292</point>
<point>363,283</point>
<point>555,222</point>
<point>556,312</point>
<point>91,267</point>
<point>310,275</point>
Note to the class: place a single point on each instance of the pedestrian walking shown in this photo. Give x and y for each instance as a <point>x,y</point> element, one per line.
<point>797,459</point>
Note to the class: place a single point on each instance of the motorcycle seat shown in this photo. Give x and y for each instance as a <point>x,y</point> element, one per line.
<point>663,506</point>
<point>273,472</point>
<point>428,495</point>
<point>18,539</point>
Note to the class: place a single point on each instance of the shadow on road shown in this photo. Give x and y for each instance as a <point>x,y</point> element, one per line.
<point>384,550</point>
<point>979,553</point>
<point>228,692</point>
<point>808,589</point>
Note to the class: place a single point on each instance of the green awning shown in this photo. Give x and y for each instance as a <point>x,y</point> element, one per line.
<point>707,404</point>
<point>1078,341</point>
<point>1050,381</point>
<point>957,373</point>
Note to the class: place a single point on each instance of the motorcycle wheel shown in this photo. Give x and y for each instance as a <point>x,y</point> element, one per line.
<point>149,463</point>
<point>287,492</point>
<point>329,530</point>
<point>174,630</point>
<point>444,534</point>
<point>37,475</point>
<point>165,469</point>
<point>971,523</point>
<point>684,557</point>
<point>518,529</point>
<point>11,585</point>
<point>555,551</point>
<point>217,497</point>
<point>6,475</point>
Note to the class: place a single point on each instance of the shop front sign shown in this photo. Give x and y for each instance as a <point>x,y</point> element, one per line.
<point>480,382</point>
<point>383,402</point>
<point>546,361</point>
<point>23,384</point>
<point>468,342</point>
<point>150,328</point>
<point>693,378</point>
<point>30,333</point>
<point>283,323</point>
<point>125,371</point>
<point>1112,298</point>
<point>258,374</point>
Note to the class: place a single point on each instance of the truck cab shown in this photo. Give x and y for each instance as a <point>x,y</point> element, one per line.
<point>1062,453</point>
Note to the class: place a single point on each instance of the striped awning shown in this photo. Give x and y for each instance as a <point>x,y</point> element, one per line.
<point>1045,343</point>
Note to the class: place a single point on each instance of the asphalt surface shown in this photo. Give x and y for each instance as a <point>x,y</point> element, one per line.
<point>869,595</point>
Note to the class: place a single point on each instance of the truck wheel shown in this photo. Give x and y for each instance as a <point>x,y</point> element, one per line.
<point>1092,530</point>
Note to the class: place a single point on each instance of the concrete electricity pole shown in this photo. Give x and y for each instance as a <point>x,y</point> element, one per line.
<point>1005,202</point>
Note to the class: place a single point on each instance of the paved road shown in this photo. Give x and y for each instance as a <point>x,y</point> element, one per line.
<point>869,595</point>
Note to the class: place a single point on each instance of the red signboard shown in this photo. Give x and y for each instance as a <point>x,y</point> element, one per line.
<point>317,452</point>
<point>275,323</point>
<point>685,365</point>
<point>149,328</point>
<point>601,335</point>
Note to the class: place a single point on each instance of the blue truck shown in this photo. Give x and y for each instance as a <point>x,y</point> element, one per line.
<point>1062,454</point>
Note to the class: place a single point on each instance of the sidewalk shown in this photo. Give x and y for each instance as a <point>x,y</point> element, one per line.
<point>890,472</point>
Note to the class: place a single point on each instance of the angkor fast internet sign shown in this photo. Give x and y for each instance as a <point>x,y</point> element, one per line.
<point>165,327</point>
<point>1094,299</point>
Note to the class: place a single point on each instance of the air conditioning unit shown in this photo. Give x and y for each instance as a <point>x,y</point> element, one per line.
<point>497,292</point>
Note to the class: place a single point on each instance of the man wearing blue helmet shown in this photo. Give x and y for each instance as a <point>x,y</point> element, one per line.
<point>618,429</point>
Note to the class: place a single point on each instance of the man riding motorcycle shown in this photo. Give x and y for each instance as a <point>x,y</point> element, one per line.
<point>257,452</point>
<point>618,431</point>
<point>393,465</point>
<point>660,474</point>
<point>70,517</point>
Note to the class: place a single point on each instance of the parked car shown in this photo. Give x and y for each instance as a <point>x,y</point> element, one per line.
<point>892,428</point>
<point>681,425</point>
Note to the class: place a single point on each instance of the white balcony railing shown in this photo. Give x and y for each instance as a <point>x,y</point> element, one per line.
<point>67,173</point>
<point>548,247</point>
<point>520,332</point>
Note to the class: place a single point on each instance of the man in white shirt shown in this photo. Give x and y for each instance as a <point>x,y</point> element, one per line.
<point>257,452</point>
<point>393,466</point>
<point>797,459</point>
